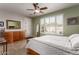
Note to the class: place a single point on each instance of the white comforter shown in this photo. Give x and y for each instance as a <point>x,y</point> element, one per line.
<point>43,44</point>
<point>57,40</point>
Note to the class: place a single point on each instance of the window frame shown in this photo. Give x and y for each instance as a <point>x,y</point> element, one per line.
<point>49,17</point>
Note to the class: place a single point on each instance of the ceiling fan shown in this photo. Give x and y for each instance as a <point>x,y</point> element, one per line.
<point>37,9</point>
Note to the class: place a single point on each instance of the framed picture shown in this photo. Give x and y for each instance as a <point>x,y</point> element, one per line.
<point>1,23</point>
<point>73,21</point>
<point>11,24</point>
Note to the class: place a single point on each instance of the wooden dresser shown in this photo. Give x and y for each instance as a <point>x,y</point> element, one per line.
<point>12,36</point>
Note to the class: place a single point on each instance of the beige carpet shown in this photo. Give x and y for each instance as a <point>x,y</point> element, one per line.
<point>17,48</point>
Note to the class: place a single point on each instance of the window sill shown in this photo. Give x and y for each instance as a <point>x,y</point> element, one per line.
<point>47,33</point>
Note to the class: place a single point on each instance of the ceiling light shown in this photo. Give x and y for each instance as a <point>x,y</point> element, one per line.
<point>37,11</point>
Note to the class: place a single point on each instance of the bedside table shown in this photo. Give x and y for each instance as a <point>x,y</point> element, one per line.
<point>27,38</point>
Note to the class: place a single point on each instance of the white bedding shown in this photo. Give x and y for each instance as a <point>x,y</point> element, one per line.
<point>57,40</point>
<point>51,45</point>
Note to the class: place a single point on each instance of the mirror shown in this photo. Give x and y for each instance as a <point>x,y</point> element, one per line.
<point>11,24</point>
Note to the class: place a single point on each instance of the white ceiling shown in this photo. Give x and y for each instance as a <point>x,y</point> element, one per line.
<point>21,8</point>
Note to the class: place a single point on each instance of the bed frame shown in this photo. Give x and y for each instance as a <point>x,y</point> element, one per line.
<point>31,52</point>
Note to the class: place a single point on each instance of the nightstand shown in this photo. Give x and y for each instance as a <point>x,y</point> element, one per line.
<point>27,38</point>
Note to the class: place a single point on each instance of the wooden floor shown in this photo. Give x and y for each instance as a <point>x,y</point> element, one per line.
<point>16,48</point>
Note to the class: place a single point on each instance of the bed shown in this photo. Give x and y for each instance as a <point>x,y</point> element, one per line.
<point>53,45</point>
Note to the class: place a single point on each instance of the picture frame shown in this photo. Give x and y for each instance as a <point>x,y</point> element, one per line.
<point>73,21</point>
<point>1,24</point>
<point>12,24</point>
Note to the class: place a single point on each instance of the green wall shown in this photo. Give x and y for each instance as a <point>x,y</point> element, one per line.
<point>68,12</point>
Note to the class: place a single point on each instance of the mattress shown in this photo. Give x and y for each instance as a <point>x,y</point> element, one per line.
<point>51,45</point>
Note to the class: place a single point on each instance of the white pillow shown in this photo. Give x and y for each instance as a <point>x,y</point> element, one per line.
<point>73,35</point>
<point>75,42</point>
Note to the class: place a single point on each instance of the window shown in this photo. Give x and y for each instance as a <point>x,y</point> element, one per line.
<point>47,28</point>
<point>42,25</point>
<point>59,24</point>
<point>52,24</point>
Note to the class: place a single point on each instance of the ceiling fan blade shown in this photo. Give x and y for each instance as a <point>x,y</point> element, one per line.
<point>30,14</point>
<point>34,5</point>
<point>34,13</point>
<point>30,9</point>
<point>43,8</point>
<point>41,12</point>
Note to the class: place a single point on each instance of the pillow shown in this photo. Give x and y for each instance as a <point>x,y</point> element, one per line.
<point>75,42</point>
<point>73,35</point>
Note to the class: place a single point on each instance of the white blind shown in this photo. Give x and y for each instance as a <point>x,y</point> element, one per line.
<point>52,24</point>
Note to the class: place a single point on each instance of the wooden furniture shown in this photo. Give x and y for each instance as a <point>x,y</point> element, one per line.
<point>27,38</point>
<point>4,45</point>
<point>13,36</point>
<point>31,52</point>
